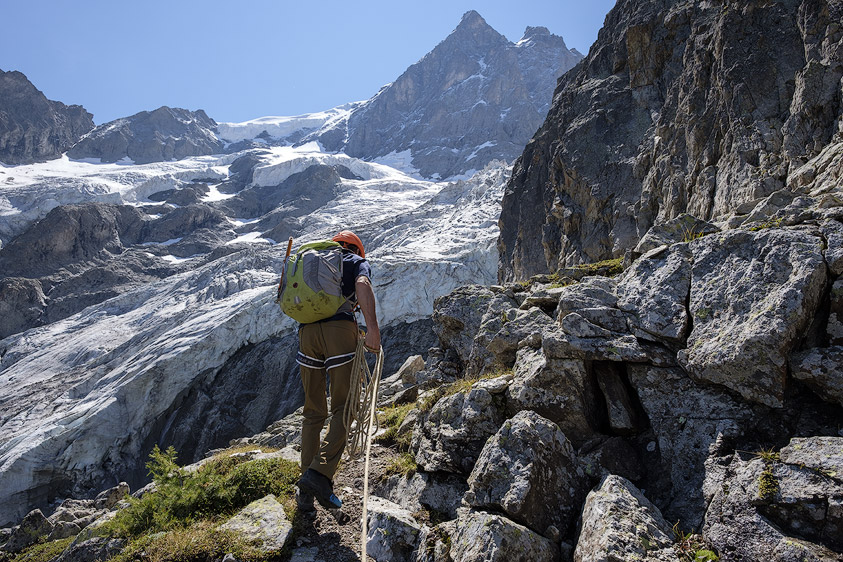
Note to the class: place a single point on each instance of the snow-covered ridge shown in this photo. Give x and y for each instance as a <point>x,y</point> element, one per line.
<point>282,127</point>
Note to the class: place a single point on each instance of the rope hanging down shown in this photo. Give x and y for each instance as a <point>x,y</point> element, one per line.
<point>362,400</point>
<point>360,409</point>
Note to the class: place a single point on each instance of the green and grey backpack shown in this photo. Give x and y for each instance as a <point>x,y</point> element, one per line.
<point>311,289</point>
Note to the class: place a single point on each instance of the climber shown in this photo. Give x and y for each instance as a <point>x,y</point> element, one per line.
<point>329,346</point>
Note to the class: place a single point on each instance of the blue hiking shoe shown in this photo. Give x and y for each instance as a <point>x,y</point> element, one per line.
<point>312,482</point>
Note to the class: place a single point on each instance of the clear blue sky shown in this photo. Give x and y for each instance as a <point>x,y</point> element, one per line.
<point>243,60</point>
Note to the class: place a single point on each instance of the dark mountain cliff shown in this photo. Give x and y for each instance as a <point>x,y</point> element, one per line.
<point>33,128</point>
<point>680,107</point>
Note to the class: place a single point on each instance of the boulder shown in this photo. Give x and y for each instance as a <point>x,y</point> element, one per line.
<point>781,507</point>
<point>264,522</point>
<point>558,389</point>
<point>96,548</point>
<point>753,294</point>
<point>520,328</point>
<point>621,410</point>
<point>33,528</point>
<point>109,498</point>
<point>686,419</point>
<point>619,523</point>
<point>544,297</point>
<point>654,292</point>
<point>440,492</point>
<point>822,370</point>
<point>488,537</point>
<point>452,434</point>
<point>529,470</point>
<point>393,532</point>
<point>407,371</point>
<point>458,315</point>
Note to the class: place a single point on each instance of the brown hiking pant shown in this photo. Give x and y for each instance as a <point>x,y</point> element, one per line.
<point>325,347</point>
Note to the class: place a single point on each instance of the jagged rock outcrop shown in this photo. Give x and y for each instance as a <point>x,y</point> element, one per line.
<point>151,136</point>
<point>530,471</point>
<point>33,128</point>
<point>489,537</point>
<point>619,523</point>
<point>680,107</point>
<point>476,97</point>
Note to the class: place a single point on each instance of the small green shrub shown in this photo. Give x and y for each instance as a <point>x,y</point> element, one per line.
<point>217,489</point>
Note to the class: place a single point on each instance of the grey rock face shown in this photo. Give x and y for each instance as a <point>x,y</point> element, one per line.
<point>687,419</point>
<point>558,389</point>
<point>529,470</point>
<point>680,107</point>
<point>752,297</point>
<point>474,98</point>
<point>393,532</point>
<point>151,136</point>
<point>822,370</point>
<point>439,491</point>
<point>457,318</point>
<point>781,509</point>
<point>33,128</point>
<point>654,292</point>
<point>71,233</point>
<point>22,303</point>
<point>619,523</point>
<point>486,537</point>
<point>450,437</point>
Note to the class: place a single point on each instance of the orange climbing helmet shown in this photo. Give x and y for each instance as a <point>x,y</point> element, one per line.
<point>350,238</point>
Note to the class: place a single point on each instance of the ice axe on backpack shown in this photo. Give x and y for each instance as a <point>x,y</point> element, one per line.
<point>284,269</point>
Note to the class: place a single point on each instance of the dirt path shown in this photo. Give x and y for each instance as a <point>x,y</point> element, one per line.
<point>327,536</point>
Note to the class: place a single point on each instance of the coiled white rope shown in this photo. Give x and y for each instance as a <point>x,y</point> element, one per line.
<point>359,417</point>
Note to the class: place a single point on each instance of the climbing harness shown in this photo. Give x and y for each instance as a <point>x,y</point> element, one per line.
<point>359,418</point>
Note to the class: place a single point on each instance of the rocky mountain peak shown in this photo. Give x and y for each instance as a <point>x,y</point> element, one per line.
<point>474,98</point>
<point>151,136</point>
<point>33,128</point>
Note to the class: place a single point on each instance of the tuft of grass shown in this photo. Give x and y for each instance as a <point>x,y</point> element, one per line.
<point>609,268</point>
<point>691,234</point>
<point>216,490</point>
<point>42,551</point>
<point>772,223</point>
<point>391,419</point>
<point>199,542</point>
<point>404,465</point>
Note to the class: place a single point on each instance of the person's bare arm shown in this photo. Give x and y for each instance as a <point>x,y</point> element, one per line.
<point>366,300</point>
